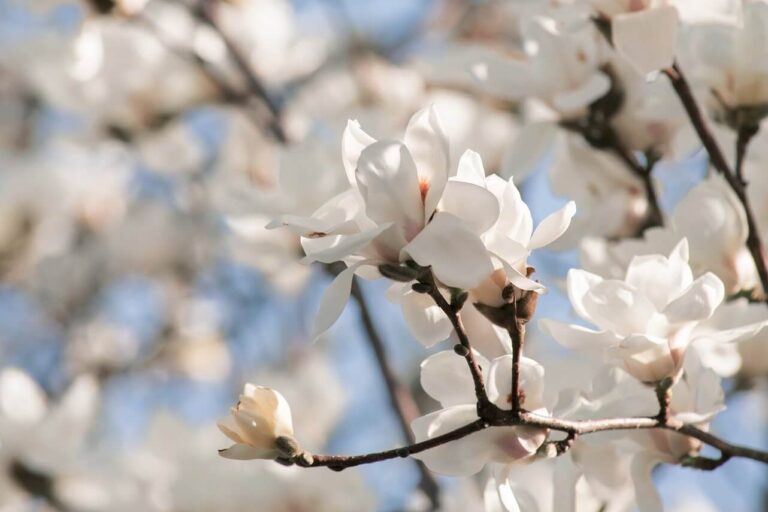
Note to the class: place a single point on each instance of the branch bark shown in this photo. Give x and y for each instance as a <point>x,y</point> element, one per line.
<point>719,162</point>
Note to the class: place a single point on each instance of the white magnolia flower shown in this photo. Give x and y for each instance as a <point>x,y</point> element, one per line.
<point>561,67</point>
<point>510,241</point>
<point>647,320</point>
<point>612,202</point>
<point>613,463</point>
<point>630,23</point>
<point>445,378</point>
<point>261,417</point>
<point>403,205</point>
<point>728,57</point>
<point>710,217</point>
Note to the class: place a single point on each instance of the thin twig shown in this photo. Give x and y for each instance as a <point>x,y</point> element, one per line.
<point>206,14</point>
<point>717,158</point>
<point>516,331</point>
<point>453,315</point>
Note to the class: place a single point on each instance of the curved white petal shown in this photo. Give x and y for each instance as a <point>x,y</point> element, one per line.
<point>473,204</point>
<point>553,226</point>
<point>579,98</point>
<point>630,33</point>
<point>456,254</point>
<point>515,218</point>
<point>531,382</point>
<point>446,378</point>
<point>646,495</point>
<point>426,321</point>
<point>698,302</point>
<point>337,247</point>
<point>527,150</point>
<point>389,184</point>
<point>428,145</point>
<point>618,307</point>
<point>245,452</point>
<point>660,278</point>
<point>463,457</point>
<point>579,283</point>
<point>577,337</point>
<point>353,142</point>
<point>22,400</point>
<point>334,300</point>
<point>471,168</point>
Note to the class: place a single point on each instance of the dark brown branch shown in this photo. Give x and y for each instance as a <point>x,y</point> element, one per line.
<point>716,157</point>
<point>572,428</point>
<point>453,315</point>
<point>207,15</point>
<point>339,462</point>
<point>516,331</point>
<point>655,216</point>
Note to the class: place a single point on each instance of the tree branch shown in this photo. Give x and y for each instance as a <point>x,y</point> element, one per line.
<point>466,348</point>
<point>716,157</point>
<point>572,428</point>
<point>206,15</point>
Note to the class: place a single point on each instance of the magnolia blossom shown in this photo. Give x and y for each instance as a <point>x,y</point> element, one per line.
<point>729,59</point>
<point>405,205</point>
<point>260,425</point>
<point>713,221</point>
<point>630,23</point>
<point>560,66</point>
<point>646,320</point>
<point>612,462</point>
<point>445,378</point>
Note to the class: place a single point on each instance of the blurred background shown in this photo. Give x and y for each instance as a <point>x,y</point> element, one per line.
<point>144,144</point>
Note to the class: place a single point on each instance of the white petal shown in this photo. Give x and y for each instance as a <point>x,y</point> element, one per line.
<point>428,145</point>
<point>553,226</point>
<point>579,283</point>
<point>565,477</point>
<point>353,142</point>
<point>698,302</point>
<point>389,185</point>
<point>446,378</point>
<point>577,337</point>
<point>337,247</point>
<point>21,398</point>
<point>531,382</point>
<point>463,457</point>
<point>527,150</point>
<point>245,452</point>
<point>659,278</point>
<point>647,39</point>
<point>618,307</point>
<point>507,496</point>
<point>475,205</point>
<point>456,254</point>
<point>515,217</point>
<point>334,300</point>
<point>425,320</point>
<point>471,168</point>
<point>646,496</point>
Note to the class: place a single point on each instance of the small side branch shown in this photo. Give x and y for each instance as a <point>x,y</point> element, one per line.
<point>452,313</point>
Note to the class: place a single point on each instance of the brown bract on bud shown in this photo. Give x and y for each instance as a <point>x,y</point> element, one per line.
<point>522,310</point>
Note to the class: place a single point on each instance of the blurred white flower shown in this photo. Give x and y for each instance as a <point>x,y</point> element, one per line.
<point>647,320</point>
<point>257,424</point>
<point>561,66</point>
<point>728,58</point>
<point>445,378</point>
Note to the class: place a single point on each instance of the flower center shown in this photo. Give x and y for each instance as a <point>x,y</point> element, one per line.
<point>423,189</point>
